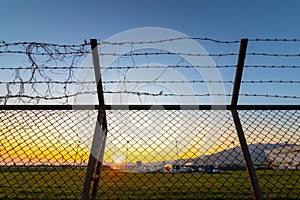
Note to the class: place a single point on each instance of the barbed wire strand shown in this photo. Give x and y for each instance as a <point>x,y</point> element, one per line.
<point>199,95</point>
<point>150,82</point>
<point>86,43</point>
<point>203,81</point>
<point>153,54</point>
<point>273,40</point>
<point>149,94</point>
<point>41,55</point>
<point>150,67</point>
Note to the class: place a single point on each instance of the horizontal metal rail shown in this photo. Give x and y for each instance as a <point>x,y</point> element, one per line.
<point>150,107</point>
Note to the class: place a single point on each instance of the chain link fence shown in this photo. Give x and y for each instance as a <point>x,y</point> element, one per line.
<point>196,155</point>
<point>274,142</point>
<point>44,154</point>
<point>180,154</point>
<point>150,154</point>
<point>182,151</point>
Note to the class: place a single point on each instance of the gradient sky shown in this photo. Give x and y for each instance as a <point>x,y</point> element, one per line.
<point>76,20</point>
<point>73,21</point>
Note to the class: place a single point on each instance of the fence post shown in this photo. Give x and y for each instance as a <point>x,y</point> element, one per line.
<point>99,138</point>
<point>237,122</point>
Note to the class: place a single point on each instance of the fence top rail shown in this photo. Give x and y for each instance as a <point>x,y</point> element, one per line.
<point>150,107</point>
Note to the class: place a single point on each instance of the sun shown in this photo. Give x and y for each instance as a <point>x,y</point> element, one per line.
<point>118,158</point>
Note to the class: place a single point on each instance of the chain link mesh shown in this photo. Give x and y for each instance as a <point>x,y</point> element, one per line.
<point>196,154</point>
<point>150,154</point>
<point>44,154</point>
<point>179,154</point>
<point>274,143</point>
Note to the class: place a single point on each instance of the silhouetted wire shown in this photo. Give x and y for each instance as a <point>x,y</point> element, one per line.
<point>200,95</point>
<point>272,54</point>
<point>47,67</point>
<point>59,52</point>
<point>168,40</point>
<point>160,94</point>
<point>166,67</point>
<point>41,44</point>
<point>47,82</point>
<point>272,66</point>
<point>273,40</point>
<point>149,82</point>
<point>201,81</point>
<point>48,98</point>
<point>45,54</point>
<point>150,67</point>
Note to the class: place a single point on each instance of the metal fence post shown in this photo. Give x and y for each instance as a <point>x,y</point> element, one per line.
<point>237,122</point>
<point>99,138</point>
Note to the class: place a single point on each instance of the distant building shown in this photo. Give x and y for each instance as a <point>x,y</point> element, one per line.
<point>287,157</point>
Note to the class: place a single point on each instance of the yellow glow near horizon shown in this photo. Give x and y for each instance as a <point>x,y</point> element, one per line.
<point>29,139</point>
<point>47,141</point>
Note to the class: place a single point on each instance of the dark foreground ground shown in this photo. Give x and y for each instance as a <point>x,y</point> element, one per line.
<point>68,183</point>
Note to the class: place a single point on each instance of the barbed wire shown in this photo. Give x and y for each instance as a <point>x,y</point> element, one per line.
<point>86,43</point>
<point>273,40</point>
<point>6,44</point>
<point>272,66</point>
<point>170,40</point>
<point>52,49</point>
<point>117,54</point>
<point>50,56</point>
<point>47,67</point>
<point>167,67</point>
<point>41,57</point>
<point>45,54</point>
<point>199,54</point>
<point>271,81</point>
<point>273,54</point>
<point>201,81</point>
<point>48,82</point>
<point>164,81</point>
<point>163,94</point>
<point>21,96</point>
<point>272,96</point>
<point>205,39</point>
<point>150,67</point>
<point>199,95</point>
<point>151,53</point>
<point>151,82</point>
<point>169,53</point>
<point>196,66</point>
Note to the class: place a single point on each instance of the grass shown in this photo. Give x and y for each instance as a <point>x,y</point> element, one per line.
<point>68,183</point>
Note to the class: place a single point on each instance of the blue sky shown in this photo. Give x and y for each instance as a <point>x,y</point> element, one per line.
<point>74,21</point>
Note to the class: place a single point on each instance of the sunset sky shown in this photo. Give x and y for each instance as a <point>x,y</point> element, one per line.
<point>72,22</point>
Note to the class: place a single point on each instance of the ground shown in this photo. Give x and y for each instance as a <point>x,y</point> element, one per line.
<point>68,183</point>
